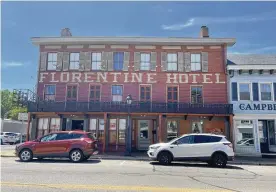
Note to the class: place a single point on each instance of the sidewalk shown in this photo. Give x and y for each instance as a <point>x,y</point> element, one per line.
<point>142,156</point>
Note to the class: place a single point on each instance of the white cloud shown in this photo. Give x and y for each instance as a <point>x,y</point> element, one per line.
<point>8,64</point>
<point>221,20</point>
<point>176,27</point>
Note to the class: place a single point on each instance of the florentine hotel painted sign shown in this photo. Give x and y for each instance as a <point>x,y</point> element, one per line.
<point>121,77</point>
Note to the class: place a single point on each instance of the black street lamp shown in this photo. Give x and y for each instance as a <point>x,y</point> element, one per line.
<point>128,131</point>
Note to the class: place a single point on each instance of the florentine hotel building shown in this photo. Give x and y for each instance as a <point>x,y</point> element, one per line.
<point>132,91</point>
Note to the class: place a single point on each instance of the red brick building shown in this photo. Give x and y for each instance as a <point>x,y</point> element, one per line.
<point>177,86</point>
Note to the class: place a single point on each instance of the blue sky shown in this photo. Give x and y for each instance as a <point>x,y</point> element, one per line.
<point>252,23</point>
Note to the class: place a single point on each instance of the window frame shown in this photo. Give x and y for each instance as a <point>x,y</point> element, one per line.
<point>271,93</point>
<point>118,61</point>
<point>74,61</point>
<point>116,94</point>
<point>200,61</point>
<point>250,90</point>
<point>172,62</point>
<point>149,62</point>
<point>89,94</point>
<point>167,93</point>
<point>202,98</point>
<point>77,90</point>
<point>44,91</point>
<point>177,141</point>
<point>55,68</point>
<point>140,92</point>
<point>96,61</point>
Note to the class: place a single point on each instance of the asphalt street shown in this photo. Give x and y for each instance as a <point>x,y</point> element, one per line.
<point>118,175</point>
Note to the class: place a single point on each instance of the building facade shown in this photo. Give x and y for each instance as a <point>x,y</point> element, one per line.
<point>176,85</point>
<point>252,91</point>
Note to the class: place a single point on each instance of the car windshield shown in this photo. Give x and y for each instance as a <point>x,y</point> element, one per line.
<point>173,140</point>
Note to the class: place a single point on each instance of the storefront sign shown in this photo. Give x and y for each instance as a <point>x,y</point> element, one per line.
<point>118,77</point>
<point>262,106</point>
<point>255,107</point>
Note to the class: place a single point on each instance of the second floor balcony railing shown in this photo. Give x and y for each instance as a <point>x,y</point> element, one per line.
<point>138,107</point>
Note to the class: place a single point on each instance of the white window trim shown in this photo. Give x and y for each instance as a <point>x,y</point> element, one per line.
<point>194,62</point>
<point>122,92</point>
<point>250,90</point>
<point>44,90</point>
<point>272,91</point>
<point>55,67</point>
<point>74,61</point>
<point>145,61</point>
<point>96,62</point>
<point>171,62</point>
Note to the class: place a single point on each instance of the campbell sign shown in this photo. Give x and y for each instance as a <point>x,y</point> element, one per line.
<point>255,108</point>
<point>121,77</point>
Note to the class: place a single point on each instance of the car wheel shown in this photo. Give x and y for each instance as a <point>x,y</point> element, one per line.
<point>165,158</point>
<point>76,155</point>
<point>26,155</point>
<point>219,160</point>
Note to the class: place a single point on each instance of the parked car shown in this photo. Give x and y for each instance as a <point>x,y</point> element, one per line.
<point>8,137</point>
<point>76,145</point>
<point>216,150</point>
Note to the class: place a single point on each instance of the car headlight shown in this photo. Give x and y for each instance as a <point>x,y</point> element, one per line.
<point>156,147</point>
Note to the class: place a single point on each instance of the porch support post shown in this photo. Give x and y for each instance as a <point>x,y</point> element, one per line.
<point>34,127</point>
<point>232,138</point>
<point>28,127</point>
<point>160,128</point>
<point>105,130</point>
<point>85,123</point>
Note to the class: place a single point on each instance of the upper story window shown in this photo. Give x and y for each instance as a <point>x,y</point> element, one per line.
<point>196,94</point>
<point>96,61</point>
<point>145,93</point>
<point>244,91</point>
<point>145,61</point>
<point>52,61</point>
<point>50,92</point>
<point>118,61</point>
<point>117,92</point>
<point>95,92</point>
<point>74,61</point>
<point>266,91</point>
<point>172,61</point>
<point>172,94</point>
<point>196,62</point>
<point>72,91</point>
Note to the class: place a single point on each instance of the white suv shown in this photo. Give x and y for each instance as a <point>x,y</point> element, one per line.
<point>216,150</point>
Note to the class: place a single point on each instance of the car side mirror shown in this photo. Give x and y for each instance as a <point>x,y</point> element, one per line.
<point>176,143</point>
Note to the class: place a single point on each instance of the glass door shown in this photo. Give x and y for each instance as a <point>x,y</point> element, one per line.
<point>263,134</point>
<point>271,135</point>
<point>143,134</point>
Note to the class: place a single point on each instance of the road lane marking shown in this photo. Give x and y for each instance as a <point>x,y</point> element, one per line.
<point>109,187</point>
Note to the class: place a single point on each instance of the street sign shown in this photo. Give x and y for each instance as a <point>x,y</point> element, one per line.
<point>23,116</point>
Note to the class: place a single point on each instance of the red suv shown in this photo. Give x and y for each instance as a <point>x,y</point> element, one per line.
<point>77,145</point>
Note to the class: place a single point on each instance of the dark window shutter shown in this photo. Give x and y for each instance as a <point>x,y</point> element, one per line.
<point>274,85</point>
<point>255,90</point>
<point>234,91</point>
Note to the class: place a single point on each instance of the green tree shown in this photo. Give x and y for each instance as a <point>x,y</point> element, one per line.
<point>7,106</point>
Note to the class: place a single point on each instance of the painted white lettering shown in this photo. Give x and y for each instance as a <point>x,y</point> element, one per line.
<point>138,78</point>
<point>115,76</point>
<point>194,77</point>
<point>76,76</point>
<point>174,78</point>
<point>53,79</point>
<point>150,78</point>
<point>207,79</point>
<point>218,78</point>
<point>87,77</point>
<point>126,78</point>
<point>42,77</point>
<point>102,76</point>
<point>62,77</point>
<point>181,78</point>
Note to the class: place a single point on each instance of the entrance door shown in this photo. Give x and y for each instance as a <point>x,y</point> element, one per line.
<point>271,135</point>
<point>263,133</point>
<point>143,134</point>
<point>77,124</point>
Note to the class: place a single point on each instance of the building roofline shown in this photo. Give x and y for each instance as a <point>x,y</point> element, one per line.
<point>132,40</point>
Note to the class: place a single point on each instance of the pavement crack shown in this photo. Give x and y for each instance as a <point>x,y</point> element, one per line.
<point>225,188</point>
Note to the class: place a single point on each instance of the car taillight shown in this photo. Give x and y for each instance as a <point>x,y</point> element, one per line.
<point>229,144</point>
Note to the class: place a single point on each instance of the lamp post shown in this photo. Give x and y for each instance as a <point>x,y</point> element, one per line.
<point>128,131</point>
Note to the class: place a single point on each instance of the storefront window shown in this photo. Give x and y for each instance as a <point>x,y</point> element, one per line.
<point>172,130</point>
<point>93,127</point>
<point>112,131</point>
<point>55,124</point>
<point>244,137</point>
<point>122,131</point>
<point>197,127</point>
<point>42,126</point>
<point>96,127</point>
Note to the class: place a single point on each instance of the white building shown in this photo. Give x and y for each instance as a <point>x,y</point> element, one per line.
<point>252,91</point>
